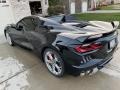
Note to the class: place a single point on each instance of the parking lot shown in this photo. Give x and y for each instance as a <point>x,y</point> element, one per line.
<point>21,69</point>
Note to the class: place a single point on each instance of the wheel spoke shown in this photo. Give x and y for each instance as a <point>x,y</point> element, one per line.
<point>58,68</point>
<point>53,69</point>
<point>49,61</point>
<point>56,60</point>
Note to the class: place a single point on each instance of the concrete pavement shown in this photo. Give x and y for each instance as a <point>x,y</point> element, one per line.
<point>21,69</point>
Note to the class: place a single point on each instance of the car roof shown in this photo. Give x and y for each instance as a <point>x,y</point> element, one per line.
<point>42,18</point>
<point>63,18</point>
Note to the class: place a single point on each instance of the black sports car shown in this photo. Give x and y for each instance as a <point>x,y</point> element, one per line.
<point>63,47</point>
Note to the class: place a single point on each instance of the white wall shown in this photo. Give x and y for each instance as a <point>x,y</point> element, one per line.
<point>72,7</point>
<point>84,6</point>
<point>22,8</point>
<point>6,16</point>
<point>116,1</point>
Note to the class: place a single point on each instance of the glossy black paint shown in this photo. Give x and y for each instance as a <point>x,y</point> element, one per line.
<point>63,18</point>
<point>39,33</point>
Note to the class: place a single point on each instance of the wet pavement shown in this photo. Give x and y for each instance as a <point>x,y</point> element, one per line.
<point>21,69</point>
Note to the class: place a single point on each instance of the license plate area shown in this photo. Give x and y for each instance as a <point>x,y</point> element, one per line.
<point>112,44</point>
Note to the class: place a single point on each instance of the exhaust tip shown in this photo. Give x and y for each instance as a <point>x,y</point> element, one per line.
<point>87,72</point>
<point>82,74</point>
<point>94,71</point>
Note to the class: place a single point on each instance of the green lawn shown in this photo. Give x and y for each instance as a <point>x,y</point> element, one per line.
<point>98,16</point>
<point>111,7</point>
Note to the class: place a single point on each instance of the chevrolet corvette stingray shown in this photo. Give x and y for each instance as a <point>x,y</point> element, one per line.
<point>78,50</point>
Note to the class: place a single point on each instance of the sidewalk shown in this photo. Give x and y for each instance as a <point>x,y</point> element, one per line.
<point>104,11</point>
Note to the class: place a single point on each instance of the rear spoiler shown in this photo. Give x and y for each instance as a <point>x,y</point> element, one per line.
<point>115,24</point>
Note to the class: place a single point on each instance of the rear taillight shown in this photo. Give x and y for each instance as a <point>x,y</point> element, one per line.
<point>88,47</point>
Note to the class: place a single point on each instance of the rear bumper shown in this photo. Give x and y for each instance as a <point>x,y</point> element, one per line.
<point>89,68</point>
<point>84,63</point>
<point>75,64</point>
<point>95,63</point>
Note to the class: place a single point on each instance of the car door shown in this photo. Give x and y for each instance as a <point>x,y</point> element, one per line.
<point>35,32</point>
<point>18,33</point>
<point>30,26</point>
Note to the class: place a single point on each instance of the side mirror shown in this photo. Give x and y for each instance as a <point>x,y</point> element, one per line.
<point>20,27</point>
<point>13,25</point>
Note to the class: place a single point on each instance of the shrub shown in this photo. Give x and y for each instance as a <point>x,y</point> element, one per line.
<point>54,2</point>
<point>98,8</point>
<point>55,10</point>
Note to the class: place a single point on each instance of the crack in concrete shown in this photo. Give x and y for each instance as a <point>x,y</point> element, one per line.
<point>19,73</point>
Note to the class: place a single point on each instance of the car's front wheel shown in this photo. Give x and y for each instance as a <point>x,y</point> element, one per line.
<point>54,62</point>
<point>9,40</point>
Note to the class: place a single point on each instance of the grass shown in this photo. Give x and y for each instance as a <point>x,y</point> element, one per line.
<point>98,16</point>
<point>111,7</point>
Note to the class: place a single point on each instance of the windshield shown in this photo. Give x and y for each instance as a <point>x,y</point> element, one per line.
<point>49,21</point>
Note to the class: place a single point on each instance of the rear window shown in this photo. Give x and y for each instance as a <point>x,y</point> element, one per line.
<point>56,18</point>
<point>48,23</point>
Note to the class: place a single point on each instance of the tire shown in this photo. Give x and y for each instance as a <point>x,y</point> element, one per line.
<point>9,40</point>
<point>54,62</point>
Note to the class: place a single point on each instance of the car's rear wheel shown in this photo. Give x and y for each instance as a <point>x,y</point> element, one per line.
<point>9,40</point>
<point>54,62</point>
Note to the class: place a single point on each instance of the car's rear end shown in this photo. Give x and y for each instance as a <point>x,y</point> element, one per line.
<point>88,54</point>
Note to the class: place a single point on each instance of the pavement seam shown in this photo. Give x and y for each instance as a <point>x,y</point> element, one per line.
<point>19,73</point>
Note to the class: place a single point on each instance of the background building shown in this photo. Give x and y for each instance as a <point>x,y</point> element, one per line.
<point>12,11</point>
<point>77,6</point>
